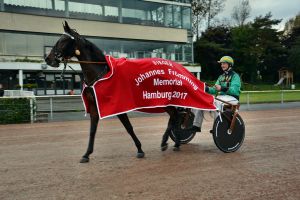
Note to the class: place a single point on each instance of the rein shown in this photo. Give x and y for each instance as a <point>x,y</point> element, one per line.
<point>84,62</point>
<point>66,61</point>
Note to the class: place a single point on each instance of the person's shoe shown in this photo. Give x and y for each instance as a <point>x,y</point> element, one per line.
<point>195,129</point>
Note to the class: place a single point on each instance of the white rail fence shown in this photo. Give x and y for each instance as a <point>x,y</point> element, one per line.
<point>279,96</point>
<point>61,107</point>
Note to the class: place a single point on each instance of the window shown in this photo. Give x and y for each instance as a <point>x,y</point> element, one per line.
<point>46,4</point>
<point>85,8</point>
<point>15,44</point>
<point>177,16</point>
<point>27,45</point>
<point>50,83</point>
<point>169,15</point>
<point>132,11</point>
<point>59,5</point>
<point>111,11</point>
<point>34,46</point>
<point>186,17</point>
<point>2,43</point>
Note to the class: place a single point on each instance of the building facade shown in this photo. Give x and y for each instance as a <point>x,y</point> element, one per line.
<point>121,28</point>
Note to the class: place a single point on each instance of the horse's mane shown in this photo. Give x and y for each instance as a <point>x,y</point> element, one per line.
<point>96,54</point>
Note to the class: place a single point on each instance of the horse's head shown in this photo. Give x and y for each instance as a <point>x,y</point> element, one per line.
<point>64,48</point>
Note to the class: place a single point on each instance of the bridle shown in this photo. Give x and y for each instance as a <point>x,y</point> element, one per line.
<point>66,61</point>
<point>59,56</point>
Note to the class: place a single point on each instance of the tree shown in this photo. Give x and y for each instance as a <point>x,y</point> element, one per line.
<point>270,51</point>
<point>294,58</point>
<point>213,44</point>
<point>241,12</point>
<point>257,47</point>
<point>292,24</point>
<point>214,8</point>
<point>291,41</point>
<point>205,9</point>
<point>245,52</point>
<point>198,12</point>
<point>291,31</point>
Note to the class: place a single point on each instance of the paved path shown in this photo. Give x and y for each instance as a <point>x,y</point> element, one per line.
<point>40,161</point>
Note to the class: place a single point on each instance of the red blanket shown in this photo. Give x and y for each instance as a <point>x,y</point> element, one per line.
<point>147,85</point>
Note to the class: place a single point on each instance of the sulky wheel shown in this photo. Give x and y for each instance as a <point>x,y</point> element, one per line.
<point>225,140</point>
<point>184,121</point>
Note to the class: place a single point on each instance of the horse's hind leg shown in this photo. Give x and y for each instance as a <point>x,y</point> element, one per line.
<point>164,144</point>
<point>126,123</point>
<point>171,124</point>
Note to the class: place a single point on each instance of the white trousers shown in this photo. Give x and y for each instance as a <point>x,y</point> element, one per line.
<point>199,114</point>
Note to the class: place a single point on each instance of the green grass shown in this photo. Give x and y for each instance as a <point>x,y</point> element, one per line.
<point>270,97</point>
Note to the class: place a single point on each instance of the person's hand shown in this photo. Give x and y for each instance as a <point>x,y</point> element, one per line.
<point>218,87</point>
<point>206,88</point>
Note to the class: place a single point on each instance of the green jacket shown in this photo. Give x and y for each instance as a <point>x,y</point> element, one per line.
<point>230,84</point>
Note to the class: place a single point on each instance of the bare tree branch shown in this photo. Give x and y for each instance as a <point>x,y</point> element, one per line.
<point>205,10</point>
<point>241,12</point>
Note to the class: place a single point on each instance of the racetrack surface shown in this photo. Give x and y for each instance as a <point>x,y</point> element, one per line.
<point>41,161</point>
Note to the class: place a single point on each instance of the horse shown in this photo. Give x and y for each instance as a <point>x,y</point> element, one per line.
<point>94,66</point>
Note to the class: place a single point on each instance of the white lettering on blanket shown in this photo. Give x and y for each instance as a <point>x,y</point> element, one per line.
<point>175,73</point>
<point>162,62</point>
<point>158,81</point>
<point>146,75</point>
<point>164,95</point>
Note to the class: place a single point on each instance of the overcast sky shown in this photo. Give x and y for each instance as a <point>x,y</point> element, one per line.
<point>281,9</point>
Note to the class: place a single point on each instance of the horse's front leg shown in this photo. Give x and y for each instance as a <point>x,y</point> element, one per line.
<point>93,128</point>
<point>126,123</point>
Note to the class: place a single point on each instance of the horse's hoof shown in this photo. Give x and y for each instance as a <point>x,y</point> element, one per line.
<point>84,160</point>
<point>176,148</point>
<point>140,155</point>
<point>164,147</point>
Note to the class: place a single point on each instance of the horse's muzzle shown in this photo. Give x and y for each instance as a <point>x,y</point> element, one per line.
<point>52,61</point>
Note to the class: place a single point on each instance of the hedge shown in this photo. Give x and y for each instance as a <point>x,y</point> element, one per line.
<point>15,110</point>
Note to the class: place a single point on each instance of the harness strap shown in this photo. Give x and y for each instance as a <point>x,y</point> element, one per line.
<point>63,71</point>
<point>69,35</point>
<point>88,84</point>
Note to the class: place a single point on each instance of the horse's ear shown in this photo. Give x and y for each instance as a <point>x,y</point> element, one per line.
<point>66,27</point>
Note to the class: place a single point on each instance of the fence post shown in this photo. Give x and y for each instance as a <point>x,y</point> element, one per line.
<point>51,108</point>
<point>248,101</point>
<point>31,110</point>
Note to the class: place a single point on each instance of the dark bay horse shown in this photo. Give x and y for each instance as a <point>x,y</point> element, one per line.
<point>94,67</point>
